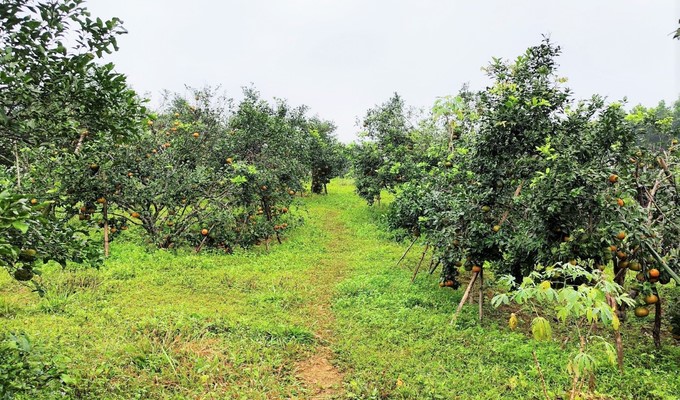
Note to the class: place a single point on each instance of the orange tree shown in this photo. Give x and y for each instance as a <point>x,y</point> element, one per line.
<point>385,157</point>
<point>199,174</point>
<point>534,178</point>
<point>326,157</point>
<point>30,236</point>
<point>53,94</point>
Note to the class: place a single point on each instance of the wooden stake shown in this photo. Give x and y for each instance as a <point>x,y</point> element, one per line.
<point>420,262</point>
<point>465,296</point>
<point>105,215</point>
<point>434,265</point>
<point>406,252</point>
<point>540,374</point>
<point>200,245</point>
<point>481,294</point>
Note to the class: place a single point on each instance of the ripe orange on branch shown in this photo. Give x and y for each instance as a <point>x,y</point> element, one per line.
<point>651,299</point>
<point>641,312</point>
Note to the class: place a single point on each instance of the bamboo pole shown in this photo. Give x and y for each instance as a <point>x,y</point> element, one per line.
<point>481,294</point>
<point>415,273</point>
<point>465,296</point>
<point>105,215</point>
<point>406,252</point>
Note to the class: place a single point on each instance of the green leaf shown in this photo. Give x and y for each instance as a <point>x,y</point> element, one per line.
<point>20,225</point>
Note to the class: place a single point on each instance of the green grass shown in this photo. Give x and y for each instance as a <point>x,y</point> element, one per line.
<point>172,326</point>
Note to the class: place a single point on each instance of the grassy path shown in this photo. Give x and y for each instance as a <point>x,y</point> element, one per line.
<point>325,315</point>
<point>319,375</point>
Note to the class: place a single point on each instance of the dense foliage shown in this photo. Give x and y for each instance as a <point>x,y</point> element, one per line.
<point>54,97</point>
<point>79,152</point>
<point>528,178</point>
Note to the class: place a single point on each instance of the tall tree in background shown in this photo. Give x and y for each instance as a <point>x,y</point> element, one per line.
<point>326,157</point>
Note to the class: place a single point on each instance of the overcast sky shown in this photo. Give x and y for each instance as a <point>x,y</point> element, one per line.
<point>341,57</point>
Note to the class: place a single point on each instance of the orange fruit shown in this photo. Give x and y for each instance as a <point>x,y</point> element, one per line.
<point>612,247</point>
<point>196,134</point>
<point>651,298</point>
<point>654,273</point>
<point>284,210</point>
<point>204,232</point>
<point>476,268</point>
<point>230,160</point>
<point>34,201</point>
<point>641,312</point>
<point>620,202</point>
<point>613,178</point>
<point>621,235</point>
<point>135,215</point>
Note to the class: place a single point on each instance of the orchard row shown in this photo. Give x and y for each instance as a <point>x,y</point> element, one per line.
<point>521,178</point>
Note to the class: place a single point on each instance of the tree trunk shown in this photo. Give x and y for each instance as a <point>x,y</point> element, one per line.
<point>656,332</point>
